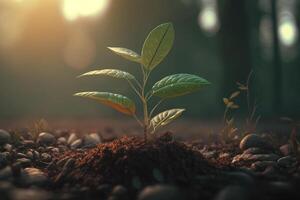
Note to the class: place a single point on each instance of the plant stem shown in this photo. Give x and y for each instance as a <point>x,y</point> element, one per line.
<point>145,105</point>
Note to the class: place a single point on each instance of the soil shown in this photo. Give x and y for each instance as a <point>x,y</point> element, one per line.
<point>135,163</point>
<point>121,167</point>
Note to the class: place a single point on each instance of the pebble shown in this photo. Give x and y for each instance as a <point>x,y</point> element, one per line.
<point>119,191</point>
<point>287,161</point>
<point>46,138</point>
<point>5,137</point>
<point>262,165</point>
<point>264,157</point>
<point>34,176</point>
<point>29,154</point>
<point>4,158</point>
<point>45,157</point>
<point>286,149</point>
<point>8,147</point>
<point>62,140</point>
<point>36,155</point>
<point>24,162</point>
<point>76,144</point>
<point>72,138</point>
<point>254,150</point>
<point>21,155</point>
<point>255,157</point>
<point>91,141</point>
<point>209,154</point>
<point>233,193</point>
<point>160,192</point>
<point>254,140</point>
<point>28,143</point>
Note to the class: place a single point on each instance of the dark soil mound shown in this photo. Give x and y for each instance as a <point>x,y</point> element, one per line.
<point>133,162</point>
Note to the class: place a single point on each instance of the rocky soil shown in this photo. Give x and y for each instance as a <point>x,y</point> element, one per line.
<point>64,165</point>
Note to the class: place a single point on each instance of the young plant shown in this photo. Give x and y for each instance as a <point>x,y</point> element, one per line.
<point>156,47</point>
<point>229,129</point>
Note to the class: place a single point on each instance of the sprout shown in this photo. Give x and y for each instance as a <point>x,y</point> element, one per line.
<point>156,47</point>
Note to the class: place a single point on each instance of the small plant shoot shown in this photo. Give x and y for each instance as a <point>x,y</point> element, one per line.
<point>156,47</point>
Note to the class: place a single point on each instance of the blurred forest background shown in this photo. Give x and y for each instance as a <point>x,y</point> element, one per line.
<point>45,44</point>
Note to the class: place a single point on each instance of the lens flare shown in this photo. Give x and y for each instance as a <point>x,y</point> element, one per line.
<point>288,33</point>
<point>73,9</point>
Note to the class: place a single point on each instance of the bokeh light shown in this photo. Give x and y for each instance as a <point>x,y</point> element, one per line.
<point>208,17</point>
<point>288,33</point>
<point>73,9</point>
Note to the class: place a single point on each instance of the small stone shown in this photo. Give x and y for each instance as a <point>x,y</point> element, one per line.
<point>224,155</point>
<point>233,193</point>
<point>76,144</point>
<point>28,143</point>
<point>91,141</point>
<point>119,191</point>
<point>287,161</point>
<point>62,140</point>
<point>24,162</point>
<point>209,154</point>
<point>254,150</point>
<point>36,155</point>
<point>5,137</point>
<point>8,147</point>
<point>4,158</point>
<point>72,138</point>
<point>46,138</point>
<point>55,150</point>
<point>160,192</point>
<point>240,157</point>
<point>29,154</point>
<point>286,149</point>
<point>45,157</point>
<point>21,155</point>
<point>254,140</point>
<point>34,176</point>
<point>262,165</point>
<point>264,157</point>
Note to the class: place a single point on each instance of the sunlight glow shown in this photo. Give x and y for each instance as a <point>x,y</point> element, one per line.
<point>288,33</point>
<point>208,20</point>
<point>73,9</point>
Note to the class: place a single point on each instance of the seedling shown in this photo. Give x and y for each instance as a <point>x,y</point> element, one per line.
<point>229,130</point>
<point>156,47</point>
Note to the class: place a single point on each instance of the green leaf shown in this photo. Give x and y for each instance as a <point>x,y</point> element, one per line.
<point>178,85</point>
<point>126,53</point>
<point>157,45</point>
<point>110,72</point>
<point>165,117</point>
<point>118,102</point>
